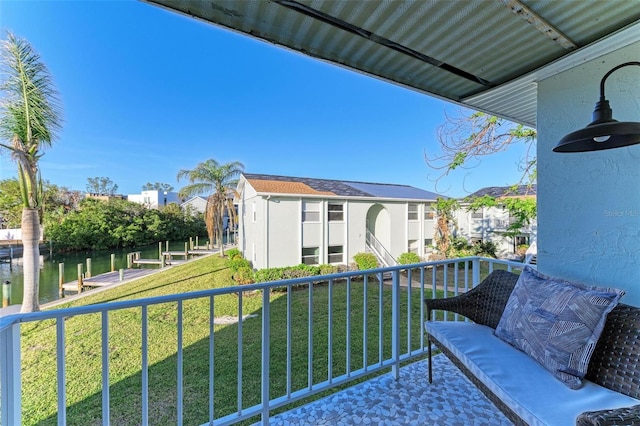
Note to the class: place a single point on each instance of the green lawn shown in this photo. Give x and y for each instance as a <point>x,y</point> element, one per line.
<point>83,348</point>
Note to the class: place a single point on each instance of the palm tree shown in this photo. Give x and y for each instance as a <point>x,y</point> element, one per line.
<point>218,180</point>
<point>30,116</point>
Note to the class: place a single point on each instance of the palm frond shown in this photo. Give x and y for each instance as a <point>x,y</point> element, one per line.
<point>30,113</point>
<point>219,182</point>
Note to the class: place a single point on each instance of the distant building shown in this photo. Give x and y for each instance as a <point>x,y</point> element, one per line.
<point>286,221</point>
<point>154,199</point>
<point>104,197</point>
<point>489,224</point>
<point>197,204</point>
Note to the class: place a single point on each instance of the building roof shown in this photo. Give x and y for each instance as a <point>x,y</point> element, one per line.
<point>270,184</point>
<point>507,191</point>
<point>485,55</point>
<point>197,198</point>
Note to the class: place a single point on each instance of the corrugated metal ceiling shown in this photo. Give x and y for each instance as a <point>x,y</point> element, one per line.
<point>483,54</point>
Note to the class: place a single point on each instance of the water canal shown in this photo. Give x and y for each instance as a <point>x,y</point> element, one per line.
<point>100,263</point>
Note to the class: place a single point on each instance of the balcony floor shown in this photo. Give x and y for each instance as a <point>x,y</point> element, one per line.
<point>450,400</point>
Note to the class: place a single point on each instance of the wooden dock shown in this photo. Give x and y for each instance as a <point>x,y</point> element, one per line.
<point>169,255</point>
<point>149,262</point>
<point>108,279</point>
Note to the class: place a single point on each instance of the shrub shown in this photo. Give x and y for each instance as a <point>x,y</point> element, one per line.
<point>269,274</point>
<point>521,251</point>
<point>244,275</point>
<point>408,258</point>
<point>233,253</point>
<point>328,269</point>
<point>288,272</point>
<point>459,243</point>
<point>236,263</point>
<point>300,271</point>
<point>485,249</point>
<point>436,255</point>
<point>365,261</point>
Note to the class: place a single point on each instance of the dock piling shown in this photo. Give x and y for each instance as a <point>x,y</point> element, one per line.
<point>121,274</point>
<point>61,279</point>
<point>88,274</point>
<point>113,262</point>
<point>6,293</point>
<point>160,250</point>
<point>80,278</point>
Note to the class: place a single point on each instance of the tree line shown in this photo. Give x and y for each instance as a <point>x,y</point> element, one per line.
<point>116,223</point>
<point>75,224</point>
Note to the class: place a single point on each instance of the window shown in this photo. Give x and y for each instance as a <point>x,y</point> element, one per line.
<point>335,254</point>
<point>253,212</point>
<point>310,211</point>
<point>413,246</point>
<point>429,212</point>
<point>502,223</point>
<point>478,214</point>
<point>311,255</point>
<point>336,212</point>
<point>428,245</point>
<point>413,212</point>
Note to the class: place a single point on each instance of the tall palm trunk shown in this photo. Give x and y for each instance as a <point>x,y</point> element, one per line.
<point>30,259</point>
<point>220,229</point>
<point>209,220</point>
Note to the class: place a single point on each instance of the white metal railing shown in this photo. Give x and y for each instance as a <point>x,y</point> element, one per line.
<point>382,301</point>
<point>379,250</point>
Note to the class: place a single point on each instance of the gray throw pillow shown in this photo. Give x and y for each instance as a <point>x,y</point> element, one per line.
<point>556,322</point>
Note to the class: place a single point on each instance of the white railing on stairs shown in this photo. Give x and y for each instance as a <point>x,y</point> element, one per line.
<point>379,250</point>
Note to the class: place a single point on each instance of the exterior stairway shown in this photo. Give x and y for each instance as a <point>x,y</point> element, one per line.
<point>374,246</point>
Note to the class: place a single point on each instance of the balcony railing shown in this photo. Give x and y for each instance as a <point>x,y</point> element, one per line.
<point>386,306</point>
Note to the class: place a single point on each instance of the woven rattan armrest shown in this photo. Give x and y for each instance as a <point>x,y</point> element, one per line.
<point>484,303</point>
<point>620,416</point>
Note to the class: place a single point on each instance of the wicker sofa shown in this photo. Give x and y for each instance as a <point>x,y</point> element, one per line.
<point>522,389</point>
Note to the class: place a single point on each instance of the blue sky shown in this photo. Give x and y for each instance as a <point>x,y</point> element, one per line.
<point>147,92</point>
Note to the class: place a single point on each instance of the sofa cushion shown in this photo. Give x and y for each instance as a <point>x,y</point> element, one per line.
<point>556,322</point>
<point>519,381</point>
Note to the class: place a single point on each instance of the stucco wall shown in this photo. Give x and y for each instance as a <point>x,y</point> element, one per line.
<point>284,237</point>
<point>277,236</point>
<point>589,203</point>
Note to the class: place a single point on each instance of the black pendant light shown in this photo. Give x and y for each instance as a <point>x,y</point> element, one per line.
<point>604,132</point>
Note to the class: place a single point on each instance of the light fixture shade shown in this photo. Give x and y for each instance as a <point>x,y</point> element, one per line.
<point>604,132</point>
<point>595,137</point>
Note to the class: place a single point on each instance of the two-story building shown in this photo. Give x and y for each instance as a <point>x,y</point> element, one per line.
<point>492,223</point>
<point>286,221</point>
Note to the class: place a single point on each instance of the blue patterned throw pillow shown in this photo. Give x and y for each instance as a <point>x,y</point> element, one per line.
<point>556,322</point>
